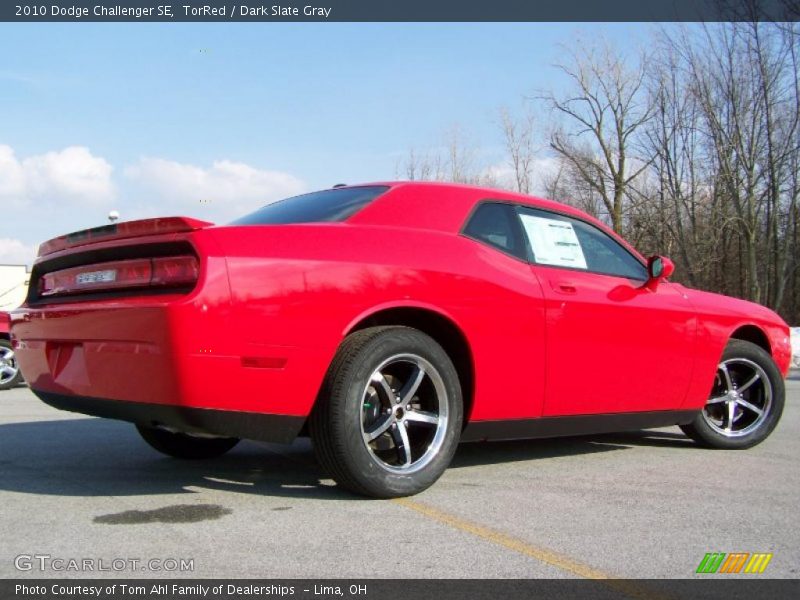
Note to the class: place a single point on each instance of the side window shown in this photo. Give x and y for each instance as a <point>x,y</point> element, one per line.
<point>558,240</point>
<point>496,224</point>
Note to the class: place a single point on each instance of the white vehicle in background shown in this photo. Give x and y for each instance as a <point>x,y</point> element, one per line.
<point>795,347</point>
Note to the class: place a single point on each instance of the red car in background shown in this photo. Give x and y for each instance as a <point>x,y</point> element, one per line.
<point>389,321</point>
<point>10,375</point>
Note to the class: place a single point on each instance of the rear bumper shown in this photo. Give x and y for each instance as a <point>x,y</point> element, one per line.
<point>172,351</point>
<point>247,425</point>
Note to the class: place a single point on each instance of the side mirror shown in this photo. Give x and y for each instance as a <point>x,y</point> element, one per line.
<point>658,268</point>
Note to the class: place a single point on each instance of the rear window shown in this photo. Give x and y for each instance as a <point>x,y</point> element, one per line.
<point>317,207</point>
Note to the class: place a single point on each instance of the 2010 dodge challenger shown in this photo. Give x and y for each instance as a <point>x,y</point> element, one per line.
<point>389,321</point>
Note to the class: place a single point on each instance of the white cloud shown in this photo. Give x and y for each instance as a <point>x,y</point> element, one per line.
<point>225,189</point>
<point>12,175</point>
<point>72,171</point>
<point>51,193</point>
<point>73,174</point>
<point>14,252</point>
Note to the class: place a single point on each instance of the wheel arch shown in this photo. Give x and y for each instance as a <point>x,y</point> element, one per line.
<point>441,328</point>
<point>754,335</point>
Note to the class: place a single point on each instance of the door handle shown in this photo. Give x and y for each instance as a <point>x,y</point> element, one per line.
<point>564,287</point>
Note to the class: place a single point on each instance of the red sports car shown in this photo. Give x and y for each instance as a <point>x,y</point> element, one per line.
<point>389,321</point>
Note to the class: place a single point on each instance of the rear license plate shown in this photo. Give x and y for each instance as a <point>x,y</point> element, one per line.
<point>96,277</point>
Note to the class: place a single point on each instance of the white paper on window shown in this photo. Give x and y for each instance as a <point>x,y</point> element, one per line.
<point>554,242</point>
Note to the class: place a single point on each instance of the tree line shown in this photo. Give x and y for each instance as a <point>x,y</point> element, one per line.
<point>690,148</point>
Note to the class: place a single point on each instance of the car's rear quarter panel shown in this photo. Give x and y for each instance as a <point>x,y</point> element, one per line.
<point>298,290</point>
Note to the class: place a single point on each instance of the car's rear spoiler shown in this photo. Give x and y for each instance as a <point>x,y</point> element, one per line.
<point>116,231</point>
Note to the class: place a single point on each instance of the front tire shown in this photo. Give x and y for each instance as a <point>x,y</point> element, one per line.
<point>185,445</point>
<point>10,375</point>
<point>746,401</point>
<point>388,418</point>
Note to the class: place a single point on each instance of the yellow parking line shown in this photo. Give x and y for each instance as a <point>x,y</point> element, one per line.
<point>541,554</point>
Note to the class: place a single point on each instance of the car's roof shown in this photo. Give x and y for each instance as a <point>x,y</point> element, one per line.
<point>470,193</point>
<point>445,207</point>
<point>472,190</point>
<point>460,199</point>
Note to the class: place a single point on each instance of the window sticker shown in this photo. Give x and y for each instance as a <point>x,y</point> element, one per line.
<point>554,242</point>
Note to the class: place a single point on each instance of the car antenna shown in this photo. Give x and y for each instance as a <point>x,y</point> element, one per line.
<point>338,185</point>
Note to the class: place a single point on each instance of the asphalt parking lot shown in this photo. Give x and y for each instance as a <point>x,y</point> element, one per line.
<point>646,504</point>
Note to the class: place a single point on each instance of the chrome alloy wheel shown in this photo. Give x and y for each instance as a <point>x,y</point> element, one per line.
<point>8,365</point>
<point>404,413</point>
<point>740,400</point>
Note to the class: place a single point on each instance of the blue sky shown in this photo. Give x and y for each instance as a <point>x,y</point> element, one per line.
<point>149,118</point>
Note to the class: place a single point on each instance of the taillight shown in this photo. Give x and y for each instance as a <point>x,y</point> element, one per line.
<point>169,271</point>
<point>177,270</point>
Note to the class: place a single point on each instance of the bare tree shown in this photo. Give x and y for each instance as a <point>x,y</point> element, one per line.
<point>744,77</point>
<point>568,186</point>
<point>775,51</point>
<point>519,135</point>
<point>602,113</point>
<point>455,160</point>
<point>693,149</point>
<point>677,201</point>
<point>420,167</point>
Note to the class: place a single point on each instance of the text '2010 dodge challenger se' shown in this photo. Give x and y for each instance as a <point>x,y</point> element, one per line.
<point>389,321</point>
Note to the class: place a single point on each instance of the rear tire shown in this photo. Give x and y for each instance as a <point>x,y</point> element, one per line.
<point>746,401</point>
<point>184,445</point>
<point>10,375</point>
<point>388,417</point>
